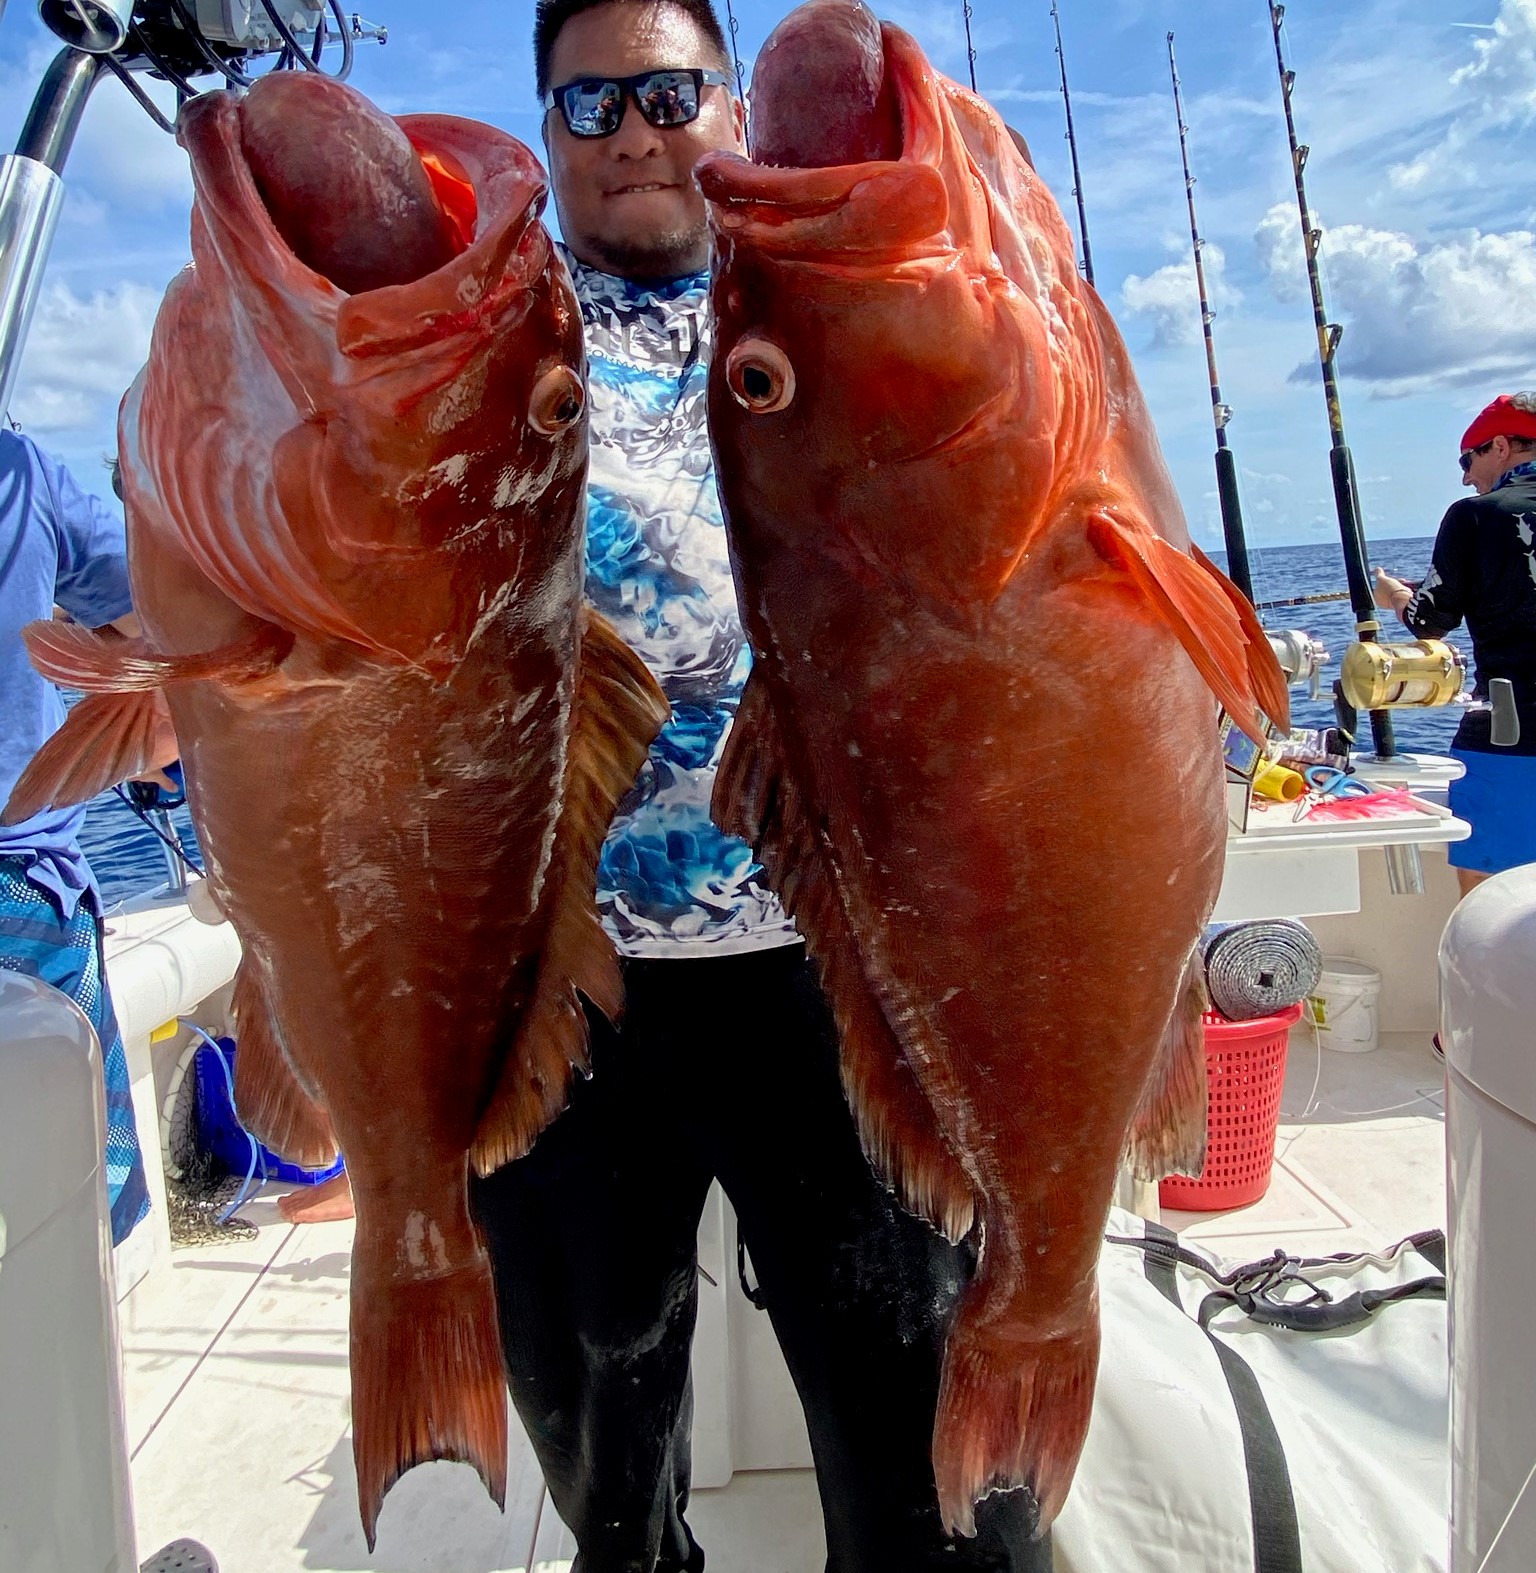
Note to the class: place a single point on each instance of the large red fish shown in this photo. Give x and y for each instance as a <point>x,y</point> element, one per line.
<point>354,469</point>
<point>978,752</point>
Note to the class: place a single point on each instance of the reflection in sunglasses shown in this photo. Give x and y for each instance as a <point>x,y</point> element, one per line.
<point>594,107</point>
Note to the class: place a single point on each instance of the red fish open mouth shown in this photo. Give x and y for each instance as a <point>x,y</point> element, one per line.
<point>860,171</point>
<point>493,199</point>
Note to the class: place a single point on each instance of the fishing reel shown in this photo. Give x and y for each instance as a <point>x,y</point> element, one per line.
<point>1420,675</point>
<point>1301,657</point>
<point>177,40</point>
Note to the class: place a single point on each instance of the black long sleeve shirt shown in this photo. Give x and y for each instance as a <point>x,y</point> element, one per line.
<point>1484,573</point>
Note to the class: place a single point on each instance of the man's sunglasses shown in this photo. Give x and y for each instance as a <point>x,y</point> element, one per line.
<point>594,106</point>
<point>1472,453</point>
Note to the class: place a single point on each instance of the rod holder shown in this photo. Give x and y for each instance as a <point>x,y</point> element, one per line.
<point>98,27</point>
<point>1405,871</point>
<point>31,196</point>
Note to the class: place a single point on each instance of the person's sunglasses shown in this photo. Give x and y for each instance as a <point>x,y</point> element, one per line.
<point>594,106</point>
<point>1472,453</point>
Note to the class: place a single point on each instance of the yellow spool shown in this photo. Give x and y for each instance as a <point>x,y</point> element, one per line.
<point>1276,782</point>
<point>1416,676</point>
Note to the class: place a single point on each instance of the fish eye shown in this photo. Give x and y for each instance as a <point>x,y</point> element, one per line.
<point>557,401</point>
<point>760,376</point>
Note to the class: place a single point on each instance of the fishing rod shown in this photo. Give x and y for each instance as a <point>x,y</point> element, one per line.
<point>1077,174</point>
<point>970,48</point>
<point>1346,494</point>
<point>730,12</point>
<point>1238,569</point>
<point>1302,600</point>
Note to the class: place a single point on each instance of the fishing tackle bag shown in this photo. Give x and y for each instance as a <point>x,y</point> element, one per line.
<point>1281,1416</point>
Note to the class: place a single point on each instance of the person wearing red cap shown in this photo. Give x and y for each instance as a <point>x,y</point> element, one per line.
<point>1484,571</point>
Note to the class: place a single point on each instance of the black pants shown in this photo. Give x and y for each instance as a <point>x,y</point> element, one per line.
<point>726,1067</point>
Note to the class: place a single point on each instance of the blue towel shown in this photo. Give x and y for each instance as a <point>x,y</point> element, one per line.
<point>36,939</point>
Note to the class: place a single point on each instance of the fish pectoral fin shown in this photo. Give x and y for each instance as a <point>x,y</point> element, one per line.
<point>757,798</point>
<point>272,1104</point>
<point>617,713</point>
<point>122,726</point>
<point>1168,1135</point>
<point>105,739</point>
<point>1195,607</point>
<point>1264,672</point>
<point>107,663</point>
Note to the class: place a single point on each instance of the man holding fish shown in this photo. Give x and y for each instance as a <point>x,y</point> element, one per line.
<point>725,1063</point>
<point>959,559</point>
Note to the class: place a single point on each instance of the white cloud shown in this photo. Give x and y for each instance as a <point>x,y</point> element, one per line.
<point>1419,315</point>
<point>123,157</point>
<point>81,354</point>
<point>1278,240</point>
<point>1495,89</point>
<point>1170,299</point>
<point>1502,72</point>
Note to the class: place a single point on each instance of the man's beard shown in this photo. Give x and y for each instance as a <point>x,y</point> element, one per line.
<point>668,255</point>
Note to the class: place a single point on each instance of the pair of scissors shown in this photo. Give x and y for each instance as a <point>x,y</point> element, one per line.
<point>1330,781</point>
<point>1325,781</point>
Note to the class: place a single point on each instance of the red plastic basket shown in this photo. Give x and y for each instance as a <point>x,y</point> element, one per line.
<point>1245,1071</point>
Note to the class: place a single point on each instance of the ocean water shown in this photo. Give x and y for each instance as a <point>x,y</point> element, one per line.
<point>128,859</point>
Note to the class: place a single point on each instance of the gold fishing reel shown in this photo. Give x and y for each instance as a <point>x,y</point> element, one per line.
<point>1415,676</point>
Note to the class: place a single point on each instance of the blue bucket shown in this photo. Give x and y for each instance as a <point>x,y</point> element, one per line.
<point>222,1134</point>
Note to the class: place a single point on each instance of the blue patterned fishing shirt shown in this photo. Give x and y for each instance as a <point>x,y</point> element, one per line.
<point>669,883</point>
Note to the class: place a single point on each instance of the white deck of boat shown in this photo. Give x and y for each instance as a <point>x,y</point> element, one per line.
<point>236,1362</point>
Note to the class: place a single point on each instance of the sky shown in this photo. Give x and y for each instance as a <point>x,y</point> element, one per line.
<point>1419,114</point>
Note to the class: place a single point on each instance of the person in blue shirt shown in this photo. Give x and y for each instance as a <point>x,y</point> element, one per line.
<point>59,547</point>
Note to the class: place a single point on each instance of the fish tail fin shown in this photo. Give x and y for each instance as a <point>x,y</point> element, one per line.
<point>617,712</point>
<point>1198,604</point>
<point>273,1106</point>
<point>1264,672</point>
<point>105,739</point>
<point>427,1377</point>
<point>1169,1133</point>
<point>1012,1412</point>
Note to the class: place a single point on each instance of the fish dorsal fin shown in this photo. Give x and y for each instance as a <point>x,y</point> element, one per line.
<point>1194,605</point>
<point>1264,672</point>
<point>617,712</point>
<point>758,799</point>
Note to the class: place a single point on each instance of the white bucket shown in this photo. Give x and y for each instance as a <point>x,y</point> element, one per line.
<point>1344,1005</point>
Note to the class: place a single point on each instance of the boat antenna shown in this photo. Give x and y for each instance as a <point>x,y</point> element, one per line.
<point>1238,569</point>
<point>970,48</point>
<point>1346,495</point>
<point>1077,175</point>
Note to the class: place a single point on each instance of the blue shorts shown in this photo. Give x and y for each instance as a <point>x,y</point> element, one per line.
<point>1497,797</point>
<point>36,940</point>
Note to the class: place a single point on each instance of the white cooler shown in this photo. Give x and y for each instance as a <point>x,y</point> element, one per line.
<point>1488,1029</point>
<point>64,1490</point>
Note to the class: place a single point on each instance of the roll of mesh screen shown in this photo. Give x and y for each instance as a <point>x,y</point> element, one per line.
<point>1256,969</point>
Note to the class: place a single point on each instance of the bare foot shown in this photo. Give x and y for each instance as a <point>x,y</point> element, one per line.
<point>328,1202</point>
